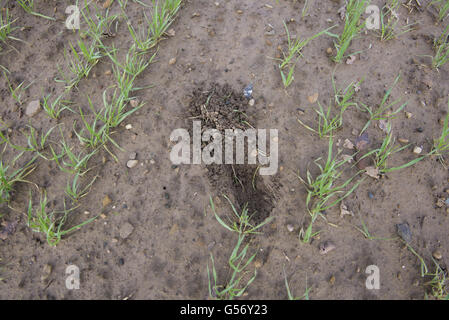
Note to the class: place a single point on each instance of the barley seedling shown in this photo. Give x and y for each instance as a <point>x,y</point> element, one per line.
<point>17,92</point>
<point>344,97</point>
<point>54,109</point>
<point>71,162</point>
<point>441,47</point>
<point>352,28</point>
<point>239,260</point>
<point>28,6</point>
<point>293,55</point>
<point>5,27</point>
<point>52,224</point>
<point>442,7</point>
<point>305,296</point>
<point>322,191</point>
<point>386,150</point>
<point>8,179</point>
<point>74,189</point>
<point>383,111</point>
<point>441,144</point>
<point>327,124</point>
<point>388,22</point>
<point>242,222</point>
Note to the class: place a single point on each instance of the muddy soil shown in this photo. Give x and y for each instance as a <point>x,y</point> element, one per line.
<point>227,45</point>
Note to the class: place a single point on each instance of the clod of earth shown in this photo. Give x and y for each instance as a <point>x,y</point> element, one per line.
<point>348,144</point>
<point>313,98</point>
<point>344,210</point>
<point>106,201</point>
<point>46,271</point>
<point>8,229</point>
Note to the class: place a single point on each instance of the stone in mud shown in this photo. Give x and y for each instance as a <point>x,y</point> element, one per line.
<point>404,231</point>
<point>437,254</point>
<point>126,230</point>
<point>326,247</point>
<point>132,163</point>
<point>33,108</point>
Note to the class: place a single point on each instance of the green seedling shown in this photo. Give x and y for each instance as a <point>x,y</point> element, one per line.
<point>162,17</point>
<point>75,191</point>
<point>441,144</point>
<point>438,282</point>
<point>364,230</point>
<point>386,150</point>
<point>71,162</point>
<point>9,179</point>
<point>241,222</point>
<point>291,58</point>
<point>54,109</point>
<point>238,261</point>
<point>441,47</point>
<point>327,124</point>
<point>352,28</point>
<point>389,20</point>
<point>239,264</point>
<point>305,296</point>
<point>28,6</point>
<point>92,135</point>
<point>37,143</point>
<point>383,111</point>
<point>135,63</point>
<point>344,97</point>
<point>5,27</point>
<point>17,92</point>
<point>52,224</point>
<point>322,191</point>
<point>439,286</point>
<point>442,7</point>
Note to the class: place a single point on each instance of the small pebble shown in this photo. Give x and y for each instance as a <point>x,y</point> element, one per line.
<point>290,228</point>
<point>326,247</point>
<point>404,232</point>
<point>172,61</point>
<point>417,150</point>
<point>128,127</point>
<point>403,140</point>
<point>251,102</point>
<point>126,230</point>
<point>132,163</point>
<point>33,108</point>
<point>437,254</point>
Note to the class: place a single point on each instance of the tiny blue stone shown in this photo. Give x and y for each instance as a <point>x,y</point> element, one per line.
<point>248,91</point>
